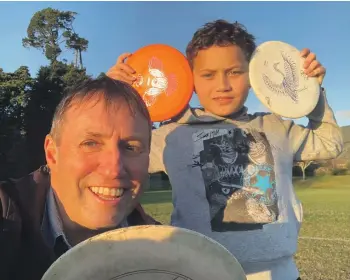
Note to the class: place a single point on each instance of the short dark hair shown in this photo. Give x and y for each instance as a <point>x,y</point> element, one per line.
<point>110,90</point>
<point>220,33</point>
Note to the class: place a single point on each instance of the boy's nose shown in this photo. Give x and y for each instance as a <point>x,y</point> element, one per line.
<point>224,84</point>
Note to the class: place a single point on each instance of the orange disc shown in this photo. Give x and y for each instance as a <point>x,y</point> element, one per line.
<point>164,80</point>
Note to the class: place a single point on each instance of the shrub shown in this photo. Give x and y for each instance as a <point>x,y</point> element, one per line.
<point>339,171</point>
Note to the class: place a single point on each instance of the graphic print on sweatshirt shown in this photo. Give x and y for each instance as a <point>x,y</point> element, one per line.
<point>238,172</point>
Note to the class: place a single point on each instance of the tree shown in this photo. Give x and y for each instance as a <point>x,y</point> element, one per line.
<point>14,96</point>
<point>101,75</point>
<point>78,45</point>
<point>48,29</point>
<point>50,85</point>
<point>13,90</point>
<point>27,104</point>
<point>303,165</point>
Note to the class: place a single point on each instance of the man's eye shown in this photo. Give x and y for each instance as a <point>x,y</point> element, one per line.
<point>90,143</point>
<point>133,148</point>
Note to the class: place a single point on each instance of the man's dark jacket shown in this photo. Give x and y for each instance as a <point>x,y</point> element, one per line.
<point>23,253</point>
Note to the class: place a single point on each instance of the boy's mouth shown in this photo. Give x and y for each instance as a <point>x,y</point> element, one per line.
<point>222,100</point>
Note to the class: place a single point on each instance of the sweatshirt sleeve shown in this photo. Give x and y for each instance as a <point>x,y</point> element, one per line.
<point>321,139</point>
<point>157,150</point>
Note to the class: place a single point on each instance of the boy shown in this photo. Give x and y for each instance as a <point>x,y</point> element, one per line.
<point>231,172</point>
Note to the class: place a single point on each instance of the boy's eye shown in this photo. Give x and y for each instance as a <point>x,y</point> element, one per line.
<point>133,147</point>
<point>207,75</point>
<point>235,72</point>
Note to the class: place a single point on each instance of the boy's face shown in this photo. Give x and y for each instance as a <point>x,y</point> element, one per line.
<point>221,79</point>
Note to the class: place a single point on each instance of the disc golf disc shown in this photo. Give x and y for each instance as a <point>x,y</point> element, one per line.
<point>278,79</point>
<point>147,253</point>
<point>164,80</point>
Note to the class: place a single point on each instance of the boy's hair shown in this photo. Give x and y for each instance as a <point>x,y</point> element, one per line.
<point>103,88</point>
<point>220,33</point>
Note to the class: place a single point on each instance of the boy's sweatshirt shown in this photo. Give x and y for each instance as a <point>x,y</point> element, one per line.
<point>232,180</point>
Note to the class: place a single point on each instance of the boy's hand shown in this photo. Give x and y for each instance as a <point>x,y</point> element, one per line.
<point>312,67</point>
<point>121,71</point>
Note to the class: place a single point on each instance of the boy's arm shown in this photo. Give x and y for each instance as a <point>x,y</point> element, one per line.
<point>321,139</point>
<point>156,163</point>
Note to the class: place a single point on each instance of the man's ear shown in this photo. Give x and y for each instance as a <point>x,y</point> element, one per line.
<point>50,147</point>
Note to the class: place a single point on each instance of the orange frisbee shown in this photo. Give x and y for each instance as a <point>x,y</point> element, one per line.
<point>164,80</point>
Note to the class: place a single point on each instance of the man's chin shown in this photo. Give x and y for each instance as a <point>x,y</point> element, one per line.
<point>103,226</point>
<point>105,221</point>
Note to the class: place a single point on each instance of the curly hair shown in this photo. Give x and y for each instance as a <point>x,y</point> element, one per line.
<point>220,33</point>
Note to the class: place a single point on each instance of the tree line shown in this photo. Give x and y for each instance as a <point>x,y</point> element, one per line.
<point>27,103</point>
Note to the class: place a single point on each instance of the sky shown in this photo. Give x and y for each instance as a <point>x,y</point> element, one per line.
<point>113,28</point>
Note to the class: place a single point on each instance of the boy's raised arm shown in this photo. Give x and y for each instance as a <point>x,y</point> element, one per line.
<point>321,139</point>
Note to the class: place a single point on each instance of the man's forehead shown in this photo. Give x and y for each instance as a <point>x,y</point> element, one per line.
<point>98,115</point>
<point>96,106</point>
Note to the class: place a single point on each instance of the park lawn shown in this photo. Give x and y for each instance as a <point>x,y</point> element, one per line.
<point>324,244</point>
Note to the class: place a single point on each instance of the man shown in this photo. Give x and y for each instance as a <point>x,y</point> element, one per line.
<point>97,155</point>
<point>230,171</point>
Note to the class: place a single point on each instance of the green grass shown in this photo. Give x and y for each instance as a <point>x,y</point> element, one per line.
<point>326,206</point>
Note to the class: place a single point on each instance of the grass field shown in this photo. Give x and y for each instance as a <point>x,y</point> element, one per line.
<point>324,244</point>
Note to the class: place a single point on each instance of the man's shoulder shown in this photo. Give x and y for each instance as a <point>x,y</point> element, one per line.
<point>39,176</point>
<point>17,205</point>
<point>6,205</point>
<point>24,190</point>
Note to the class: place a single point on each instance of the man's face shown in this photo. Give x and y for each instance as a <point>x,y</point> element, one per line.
<point>101,163</point>
<point>221,79</point>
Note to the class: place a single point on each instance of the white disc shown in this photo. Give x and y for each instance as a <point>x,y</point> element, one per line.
<point>277,77</point>
<point>147,253</point>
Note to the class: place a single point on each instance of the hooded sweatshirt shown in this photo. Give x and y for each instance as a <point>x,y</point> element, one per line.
<point>232,180</point>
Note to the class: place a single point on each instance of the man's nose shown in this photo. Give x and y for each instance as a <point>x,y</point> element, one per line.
<point>112,163</point>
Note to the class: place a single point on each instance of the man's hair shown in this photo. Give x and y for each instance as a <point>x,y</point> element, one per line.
<point>221,33</point>
<point>103,88</point>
